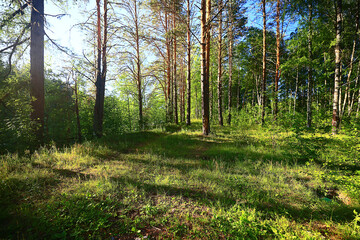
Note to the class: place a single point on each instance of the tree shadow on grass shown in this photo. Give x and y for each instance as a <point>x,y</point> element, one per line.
<point>15,192</point>
<point>271,206</point>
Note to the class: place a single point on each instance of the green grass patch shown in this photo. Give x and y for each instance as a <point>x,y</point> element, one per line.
<point>234,184</point>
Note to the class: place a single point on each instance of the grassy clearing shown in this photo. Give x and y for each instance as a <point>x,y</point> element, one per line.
<point>234,184</point>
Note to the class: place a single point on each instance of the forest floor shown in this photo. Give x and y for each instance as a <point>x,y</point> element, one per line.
<point>248,183</point>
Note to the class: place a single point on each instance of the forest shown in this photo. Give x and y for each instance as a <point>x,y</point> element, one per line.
<point>179,119</point>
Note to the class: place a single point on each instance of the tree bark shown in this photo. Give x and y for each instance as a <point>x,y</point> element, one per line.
<point>335,118</point>
<point>37,91</point>
<point>263,102</point>
<point>188,121</point>
<point>175,73</point>
<point>138,67</point>
<point>78,124</point>
<point>205,52</point>
<point>230,62</point>
<point>101,71</point>
<point>220,115</point>
<point>168,52</point>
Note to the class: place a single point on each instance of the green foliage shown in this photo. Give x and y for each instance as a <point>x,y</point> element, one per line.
<point>15,109</point>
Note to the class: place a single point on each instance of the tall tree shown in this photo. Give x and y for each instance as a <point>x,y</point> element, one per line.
<point>277,71</point>
<point>175,67</point>
<point>101,65</point>
<point>335,118</point>
<point>263,99</point>
<point>205,57</point>
<point>220,7</point>
<point>138,63</point>
<point>188,115</point>
<point>37,67</point>
<point>131,26</point>
<point>231,35</point>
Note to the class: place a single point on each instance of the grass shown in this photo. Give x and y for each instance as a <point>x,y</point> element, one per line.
<point>234,184</point>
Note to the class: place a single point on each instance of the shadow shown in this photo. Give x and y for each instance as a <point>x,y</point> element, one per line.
<point>72,174</point>
<point>270,206</point>
<point>15,192</point>
<point>201,196</point>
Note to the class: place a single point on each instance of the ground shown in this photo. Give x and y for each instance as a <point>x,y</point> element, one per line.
<point>237,183</point>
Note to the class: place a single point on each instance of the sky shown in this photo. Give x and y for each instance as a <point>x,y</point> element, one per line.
<point>64,31</point>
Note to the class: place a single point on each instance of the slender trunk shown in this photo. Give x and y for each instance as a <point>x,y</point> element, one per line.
<point>99,84</point>
<point>335,118</point>
<point>205,50</point>
<point>278,37</point>
<point>183,91</point>
<point>169,114</point>
<point>77,111</point>
<point>258,93</point>
<point>230,62</point>
<point>37,92</point>
<point>263,102</point>
<point>138,67</point>
<point>348,86</point>
<point>220,67</point>
<point>310,80</point>
<point>175,73</point>
<point>196,103</point>
<point>211,97</point>
<point>129,112</point>
<point>188,121</point>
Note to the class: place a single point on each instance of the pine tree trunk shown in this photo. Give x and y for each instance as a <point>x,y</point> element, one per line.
<point>77,111</point>
<point>175,73</point>
<point>335,118</point>
<point>168,73</point>
<point>230,62</point>
<point>263,102</point>
<point>205,54</point>
<point>220,115</point>
<point>188,121</point>
<point>99,84</point>
<point>37,91</point>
